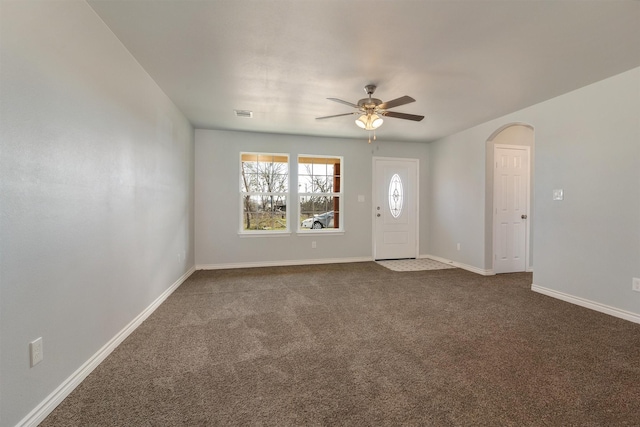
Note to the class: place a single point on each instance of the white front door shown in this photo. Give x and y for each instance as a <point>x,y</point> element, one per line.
<point>510,203</point>
<point>395,208</point>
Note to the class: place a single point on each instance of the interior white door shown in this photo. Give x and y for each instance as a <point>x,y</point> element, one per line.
<point>510,202</point>
<point>395,208</point>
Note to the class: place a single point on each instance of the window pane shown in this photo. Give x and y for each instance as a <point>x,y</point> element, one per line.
<point>248,176</point>
<point>396,195</point>
<point>266,178</point>
<point>321,184</point>
<point>261,172</point>
<point>321,174</point>
<point>319,212</point>
<point>319,169</point>
<point>264,212</point>
<point>305,184</point>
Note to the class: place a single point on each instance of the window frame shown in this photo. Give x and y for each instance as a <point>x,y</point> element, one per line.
<point>339,194</point>
<point>243,193</point>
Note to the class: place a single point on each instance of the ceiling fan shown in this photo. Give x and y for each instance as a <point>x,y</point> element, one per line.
<point>371,109</point>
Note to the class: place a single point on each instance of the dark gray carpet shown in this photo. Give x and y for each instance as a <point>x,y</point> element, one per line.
<point>357,344</point>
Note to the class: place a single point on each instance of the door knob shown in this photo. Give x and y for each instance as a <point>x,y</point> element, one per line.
<point>523,216</point>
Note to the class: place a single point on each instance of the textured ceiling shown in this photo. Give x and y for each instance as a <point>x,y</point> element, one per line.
<point>465,62</point>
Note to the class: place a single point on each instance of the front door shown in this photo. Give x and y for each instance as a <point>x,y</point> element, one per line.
<point>395,208</point>
<point>510,203</point>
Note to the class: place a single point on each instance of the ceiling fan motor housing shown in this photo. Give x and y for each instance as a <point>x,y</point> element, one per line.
<point>369,103</point>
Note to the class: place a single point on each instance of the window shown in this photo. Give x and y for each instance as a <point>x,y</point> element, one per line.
<point>396,195</point>
<point>264,190</point>
<point>320,193</point>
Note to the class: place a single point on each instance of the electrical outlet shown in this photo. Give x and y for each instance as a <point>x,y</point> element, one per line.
<point>313,244</point>
<point>458,246</point>
<point>635,284</point>
<point>35,352</point>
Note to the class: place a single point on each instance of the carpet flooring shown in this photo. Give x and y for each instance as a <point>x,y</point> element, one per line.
<point>360,345</point>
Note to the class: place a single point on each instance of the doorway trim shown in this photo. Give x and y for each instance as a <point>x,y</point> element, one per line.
<point>374,198</point>
<point>495,138</point>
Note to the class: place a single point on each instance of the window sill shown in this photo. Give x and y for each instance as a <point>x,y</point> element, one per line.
<point>243,234</point>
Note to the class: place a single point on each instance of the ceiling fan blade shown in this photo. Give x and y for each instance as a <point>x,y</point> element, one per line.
<point>350,104</point>
<point>405,116</point>
<point>335,115</point>
<point>396,102</point>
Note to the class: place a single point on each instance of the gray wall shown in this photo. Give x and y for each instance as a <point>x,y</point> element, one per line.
<point>96,194</point>
<point>456,207</point>
<point>587,142</point>
<point>218,199</point>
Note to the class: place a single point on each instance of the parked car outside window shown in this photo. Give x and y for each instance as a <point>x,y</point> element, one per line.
<point>323,220</point>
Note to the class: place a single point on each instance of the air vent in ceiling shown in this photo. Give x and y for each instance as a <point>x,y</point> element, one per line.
<point>246,114</point>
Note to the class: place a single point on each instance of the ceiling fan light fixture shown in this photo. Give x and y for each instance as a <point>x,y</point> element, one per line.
<point>376,121</point>
<point>362,122</point>
<point>369,121</point>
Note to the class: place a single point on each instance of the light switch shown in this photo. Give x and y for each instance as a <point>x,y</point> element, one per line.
<point>361,198</point>
<point>558,194</point>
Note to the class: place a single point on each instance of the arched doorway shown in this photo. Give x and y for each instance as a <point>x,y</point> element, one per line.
<point>509,198</point>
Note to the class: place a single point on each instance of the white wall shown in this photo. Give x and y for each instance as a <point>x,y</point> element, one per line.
<point>587,142</point>
<point>96,194</point>
<point>218,199</point>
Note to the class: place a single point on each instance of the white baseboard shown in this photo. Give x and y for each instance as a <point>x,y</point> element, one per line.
<point>460,265</point>
<point>602,308</point>
<point>40,412</point>
<point>280,263</point>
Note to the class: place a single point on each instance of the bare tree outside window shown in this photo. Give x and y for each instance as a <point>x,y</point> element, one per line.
<point>264,188</point>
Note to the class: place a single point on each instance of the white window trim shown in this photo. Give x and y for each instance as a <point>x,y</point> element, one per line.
<point>263,233</point>
<point>340,194</point>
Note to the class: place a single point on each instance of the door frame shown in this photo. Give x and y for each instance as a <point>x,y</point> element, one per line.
<point>526,148</point>
<point>374,195</point>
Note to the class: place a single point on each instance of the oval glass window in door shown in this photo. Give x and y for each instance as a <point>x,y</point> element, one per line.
<point>396,195</point>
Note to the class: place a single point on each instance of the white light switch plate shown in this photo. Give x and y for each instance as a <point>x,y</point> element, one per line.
<point>35,352</point>
<point>558,194</point>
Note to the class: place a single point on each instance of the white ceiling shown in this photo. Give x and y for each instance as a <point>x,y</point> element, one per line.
<point>465,62</point>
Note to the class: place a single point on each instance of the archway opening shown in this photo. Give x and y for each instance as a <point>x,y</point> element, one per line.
<point>515,136</point>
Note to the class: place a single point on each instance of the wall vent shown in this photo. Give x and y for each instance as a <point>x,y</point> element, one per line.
<point>245,114</point>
